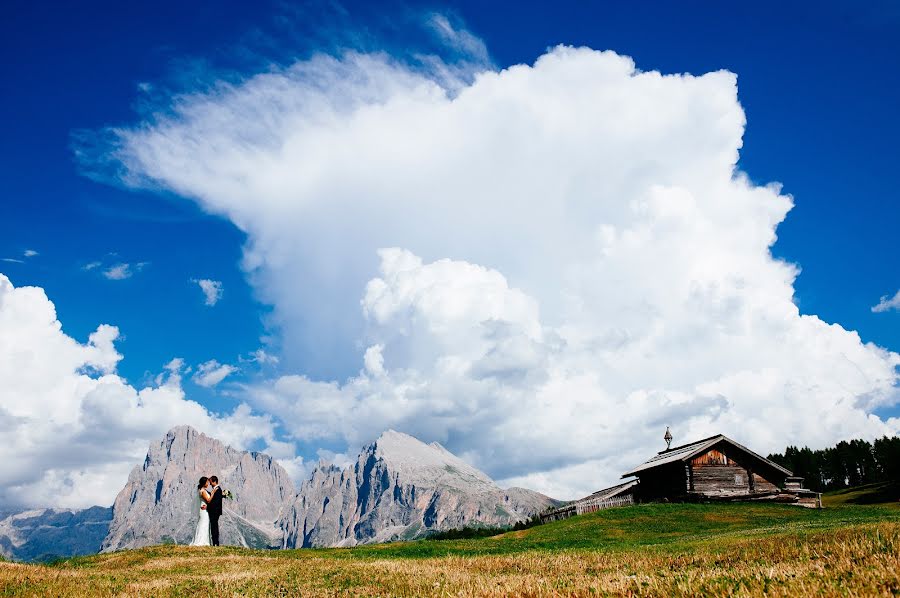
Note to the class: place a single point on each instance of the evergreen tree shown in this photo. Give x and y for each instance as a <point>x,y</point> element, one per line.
<point>852,463</point>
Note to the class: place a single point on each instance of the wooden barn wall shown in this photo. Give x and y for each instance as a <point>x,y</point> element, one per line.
<point>712,457</point>
<point>718,473</point>
<point>720,479</point>
<point>761,484</point>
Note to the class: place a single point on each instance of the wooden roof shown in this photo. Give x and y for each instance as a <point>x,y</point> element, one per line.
<point>687,452</point>
<point>611,492</point>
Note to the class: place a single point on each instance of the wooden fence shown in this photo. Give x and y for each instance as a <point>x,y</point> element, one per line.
<point>586,505</point>
<point>589,506</point>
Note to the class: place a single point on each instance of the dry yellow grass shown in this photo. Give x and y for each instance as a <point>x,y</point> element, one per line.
<point>855,560</point>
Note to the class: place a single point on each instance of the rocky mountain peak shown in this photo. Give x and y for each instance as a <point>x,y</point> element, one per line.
<point>159,502</point>
<point>415,462</point>
<point>400,488</point>
<point>183,430</point>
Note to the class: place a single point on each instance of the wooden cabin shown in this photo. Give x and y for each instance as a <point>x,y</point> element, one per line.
<point>716,468</point>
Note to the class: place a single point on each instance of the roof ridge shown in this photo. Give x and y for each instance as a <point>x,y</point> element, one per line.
<point>675,448</point>
<point>686,451</point>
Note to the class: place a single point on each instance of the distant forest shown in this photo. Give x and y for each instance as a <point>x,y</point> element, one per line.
<point>844,465</point>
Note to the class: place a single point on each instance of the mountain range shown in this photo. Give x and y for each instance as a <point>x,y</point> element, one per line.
<point>159,503</point>
<point>48,534</point>
<point>398,488</point>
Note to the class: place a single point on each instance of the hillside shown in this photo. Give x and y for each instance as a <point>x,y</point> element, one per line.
<point>868,494</point>
<point>675,550</point>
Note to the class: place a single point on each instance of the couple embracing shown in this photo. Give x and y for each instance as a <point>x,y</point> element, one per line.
<point>210,494</point>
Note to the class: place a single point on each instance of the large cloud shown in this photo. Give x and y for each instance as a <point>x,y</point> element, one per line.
<point>72,429</point>
<point>578,262</point>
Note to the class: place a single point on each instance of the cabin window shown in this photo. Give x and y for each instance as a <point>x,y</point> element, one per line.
<point>738,479</point>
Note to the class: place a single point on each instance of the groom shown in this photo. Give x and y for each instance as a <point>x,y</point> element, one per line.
<point>214,508</point>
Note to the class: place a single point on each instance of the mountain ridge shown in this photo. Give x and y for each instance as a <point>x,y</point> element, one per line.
<point>159,502</point>
<point>398,488</point>
<point>50,533</point>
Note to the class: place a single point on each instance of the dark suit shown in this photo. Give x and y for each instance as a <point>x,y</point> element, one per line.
<point>214,508</point>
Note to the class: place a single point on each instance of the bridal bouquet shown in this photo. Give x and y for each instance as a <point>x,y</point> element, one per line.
<point>227,494</point>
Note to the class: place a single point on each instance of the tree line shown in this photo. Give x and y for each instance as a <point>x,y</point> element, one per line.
<point>845,464</point>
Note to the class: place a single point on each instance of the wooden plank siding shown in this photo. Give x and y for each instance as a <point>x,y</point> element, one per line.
<point>762,484</point>
<point>715,473</point>
<point>720,480</point>
<point>711,457</point>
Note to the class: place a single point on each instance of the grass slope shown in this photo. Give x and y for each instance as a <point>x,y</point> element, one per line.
<point>864,495</point>
<point>676,550</point>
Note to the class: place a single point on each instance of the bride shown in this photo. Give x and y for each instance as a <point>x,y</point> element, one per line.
<point>202,535</point>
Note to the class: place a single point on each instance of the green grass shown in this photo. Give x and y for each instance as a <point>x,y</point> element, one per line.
<point>653,549</point>
<point>625,528</point>
<point>622,528</point>
<point>869,494</point>
<point>637,526</point>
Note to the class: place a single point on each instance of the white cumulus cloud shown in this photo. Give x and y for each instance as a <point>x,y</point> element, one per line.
<point>72,428</point>
<point>212,290</point>
<point>554,261</point>
<point>887,304</point>
<point>212,372</point>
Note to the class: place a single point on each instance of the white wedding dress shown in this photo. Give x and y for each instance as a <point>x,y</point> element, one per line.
<point>202,535</point>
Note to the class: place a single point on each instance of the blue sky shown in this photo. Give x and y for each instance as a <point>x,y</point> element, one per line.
<point>818,86</point>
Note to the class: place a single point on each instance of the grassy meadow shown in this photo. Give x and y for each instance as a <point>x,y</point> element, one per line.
<point>847,549</point>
